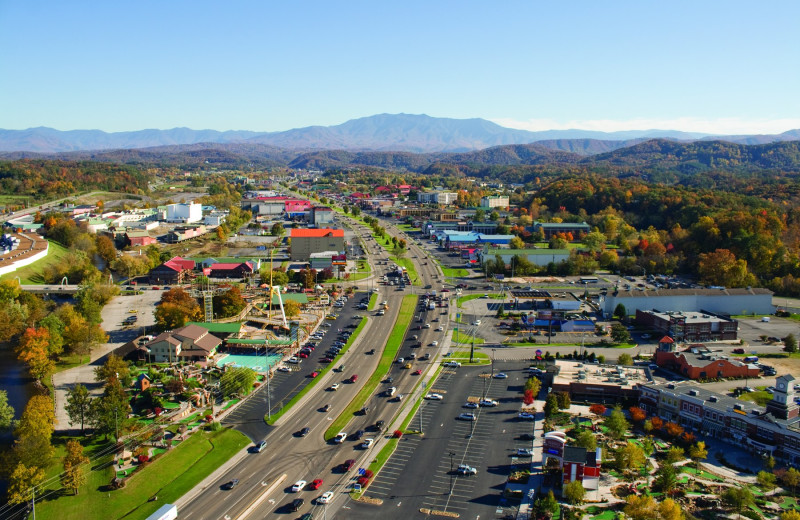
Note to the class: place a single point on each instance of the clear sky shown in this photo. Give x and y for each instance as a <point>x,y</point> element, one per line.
<point>714,66</point>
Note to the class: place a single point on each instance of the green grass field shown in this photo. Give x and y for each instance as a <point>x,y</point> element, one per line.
<point>170,476</point>
<point>460,337</point>
<point>454,272</point>
<point>32,274</point>
<point>406,314</point>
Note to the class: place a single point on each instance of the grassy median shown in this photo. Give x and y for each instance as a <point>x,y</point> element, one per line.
<point>404,318</point>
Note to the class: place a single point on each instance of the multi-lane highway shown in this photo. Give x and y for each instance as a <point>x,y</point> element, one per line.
<point>311,457</point>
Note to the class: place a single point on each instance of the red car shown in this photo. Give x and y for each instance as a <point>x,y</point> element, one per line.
<point>315,484</point>
<point>302,355</point>
<point>353,378</point>
<point>348,464</point>
<point>312,376</point>
<point>417,372</point>
<point>325,360</point>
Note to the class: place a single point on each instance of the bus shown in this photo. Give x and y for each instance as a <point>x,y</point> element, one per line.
<point>588,279</point>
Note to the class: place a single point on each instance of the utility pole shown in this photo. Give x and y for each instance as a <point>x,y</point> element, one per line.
<point>451,472</point>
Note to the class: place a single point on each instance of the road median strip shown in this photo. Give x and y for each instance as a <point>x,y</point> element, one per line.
<point>395,341</point>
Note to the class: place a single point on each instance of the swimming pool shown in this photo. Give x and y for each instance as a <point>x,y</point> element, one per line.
<point>257,363</point>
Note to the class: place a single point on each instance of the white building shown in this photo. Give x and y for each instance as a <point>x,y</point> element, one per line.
<point>494,201</point>
<point>185,213</point>
<point>724,301</point>
<point>215,218</point>
<point>437,197</point>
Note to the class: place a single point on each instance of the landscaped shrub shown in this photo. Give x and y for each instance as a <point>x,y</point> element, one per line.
<point>142,459</point>
<point>397,434</point>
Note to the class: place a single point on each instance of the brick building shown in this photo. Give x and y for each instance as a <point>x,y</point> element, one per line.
<point>689,326</point>
<point>772,430</point>
<point>700,362</point>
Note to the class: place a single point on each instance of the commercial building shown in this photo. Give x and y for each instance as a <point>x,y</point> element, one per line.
<point>700,362</point>
<point>307,241</point>
<point>183,233</point>
<point>236,271</point>
<point>689,326</point>
<point>535,256</point>
<point>437,197</point>
<point>577,464</point>
<point>321,216</point>
<point>772,430</point>
<point>494,201</point>
<point>717,301</point>
<point>174,270</point>
<point>561,228</point>
<point>189,343</point>
<point>139,238</point>
<point>597,383</point>
<point>184,213</point>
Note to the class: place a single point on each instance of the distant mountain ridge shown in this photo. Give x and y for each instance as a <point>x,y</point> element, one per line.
<point>378,133</point>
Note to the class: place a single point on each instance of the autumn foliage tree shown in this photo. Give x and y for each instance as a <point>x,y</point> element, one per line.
<point>673,429</point>
<point>598,409</point>
<point>637,414</point>
<point>33,349</point>
<point>528,397</point>
<point>74,462</point>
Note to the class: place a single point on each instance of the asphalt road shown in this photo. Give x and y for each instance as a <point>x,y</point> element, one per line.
<point>421,472</point>
<point>311,457</point>
<point>248,417</point>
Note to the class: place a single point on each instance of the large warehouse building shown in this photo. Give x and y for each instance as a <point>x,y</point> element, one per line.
<point>718,301</point>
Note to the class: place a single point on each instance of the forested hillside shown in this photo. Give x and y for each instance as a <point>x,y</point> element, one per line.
<point>44,179</point>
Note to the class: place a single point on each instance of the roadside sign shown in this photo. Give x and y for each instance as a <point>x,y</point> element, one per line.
<point>362,472</point>
<point>356,487</point>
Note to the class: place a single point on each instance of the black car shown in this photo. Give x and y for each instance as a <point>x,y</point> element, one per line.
<point>304,431</point>
<point>358,435</point>
<point>296,504</point>
<point>230,484</point>
<point>380,424</point>
<point>526,437</point>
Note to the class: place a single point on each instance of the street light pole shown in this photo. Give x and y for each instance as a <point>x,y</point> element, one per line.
<point>451,472</point>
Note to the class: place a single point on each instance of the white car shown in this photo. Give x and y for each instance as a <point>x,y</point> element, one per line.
<point>426,326</point>
<point>467,417</point>
<point>463,469</point>
<point>334,387</point>
<point>340,437</point>
<point>434,397</point>
<point>476,322</point>
<point>453,364</point>
<point>434,343</point>
<point>488,402</point>
<point>284,369</point>
<point>525,452</point>
<point>470,405</point>
<point>298,486</point>
<point>501,375</point>
<point>368,442</point>
<point>294,359</point>
<point>439,329</point>
<point>326,498</point>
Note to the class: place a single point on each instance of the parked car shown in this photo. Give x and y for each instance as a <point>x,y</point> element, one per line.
<point>525,452</point>
<point>467,417</point>
<point>434,397</point>
<point>470,405</point>
<point>501,375</point>
<point>488,402</point>
<point>464,469</point>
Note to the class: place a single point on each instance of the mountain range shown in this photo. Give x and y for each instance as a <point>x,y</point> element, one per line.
<point>378,133</point>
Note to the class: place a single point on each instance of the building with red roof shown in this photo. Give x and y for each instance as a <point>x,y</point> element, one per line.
<point>307,241</point>
<point>230,270</point>
<point>174,270</point>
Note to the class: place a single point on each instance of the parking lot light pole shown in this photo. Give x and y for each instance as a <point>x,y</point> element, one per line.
<point>452,454</point>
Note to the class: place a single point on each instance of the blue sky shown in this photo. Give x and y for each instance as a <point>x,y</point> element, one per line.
<point>713,66</point>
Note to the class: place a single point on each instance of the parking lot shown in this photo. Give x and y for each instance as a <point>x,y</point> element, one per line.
<point>423,469</point>
<point>248,417</point>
